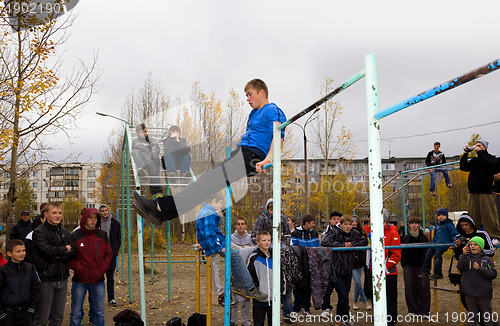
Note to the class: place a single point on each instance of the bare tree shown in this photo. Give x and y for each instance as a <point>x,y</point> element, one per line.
<point>331,140</point>
<point>38,98</point>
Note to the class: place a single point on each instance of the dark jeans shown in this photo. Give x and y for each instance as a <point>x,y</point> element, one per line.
<point>110,279</point>
<point>368,285</point>
<point>302,299</point>
<point>240,164</point>
<point>417,291</point>
<point>480,309</point>
<point>52,303</point>
<point>438,261</point>
<point>17,318</point>
<point>391,287</point>
<point>343,287</point>
<point>260,313</point>
<point>286,300</point>
<point>177,162</point>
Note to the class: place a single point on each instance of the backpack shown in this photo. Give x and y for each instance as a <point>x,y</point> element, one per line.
<point>176,321</point>
<point>197,319</point>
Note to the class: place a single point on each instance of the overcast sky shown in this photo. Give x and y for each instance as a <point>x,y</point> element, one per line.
<point>292,45</point>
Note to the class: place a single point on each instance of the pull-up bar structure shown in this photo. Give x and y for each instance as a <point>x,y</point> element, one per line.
<point>375,174</point>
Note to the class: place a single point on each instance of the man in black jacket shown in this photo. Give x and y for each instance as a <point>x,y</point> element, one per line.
<point>22,228</point>
<point>481,202</point>
<point>52,249</point>
<point>113,229</point>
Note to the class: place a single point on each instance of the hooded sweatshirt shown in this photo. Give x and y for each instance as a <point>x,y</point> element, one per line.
<point>93,251</point>
<point>477,282</point>
<point>113,230</point>
<point>488,250</point>
<point>265,223</point>
<point>241,240</point>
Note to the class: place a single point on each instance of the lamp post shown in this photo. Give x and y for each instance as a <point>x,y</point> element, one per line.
<point>306,179</point>
<point>111,116</point>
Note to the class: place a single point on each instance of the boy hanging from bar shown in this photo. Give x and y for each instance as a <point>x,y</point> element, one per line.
<point>254,151</point>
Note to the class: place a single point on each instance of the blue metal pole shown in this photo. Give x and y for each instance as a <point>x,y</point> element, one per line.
<point>455,82</point>
<point>227,264</point>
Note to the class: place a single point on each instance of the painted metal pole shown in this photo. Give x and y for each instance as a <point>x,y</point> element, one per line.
<point>122,199</point>
<point>376,196</point>
<point>227,264</point>
<point>140,250</point>
<point>403,197</point>
<point>423,200</point>
<point>455,82</point>
<point>152,252</point>
<point>127,180</point>
<point>169,264</point>
<point>276,303</point>
<point>197,290</point>
<point>209,291</point>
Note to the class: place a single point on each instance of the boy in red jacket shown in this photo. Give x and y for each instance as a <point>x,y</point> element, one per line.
<point>93,258</point>
<point>392,258</point>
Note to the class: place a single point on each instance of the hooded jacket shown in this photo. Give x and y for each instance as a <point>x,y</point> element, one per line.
<point>115,233</point>
<point>174,147</point>
<point>488,249</point>
<point>477,282</point>
<point>414,256</point>
<point>21,230</point>
<point>445,232</point>
<point>306,238</point>
<point>265,223</point>
<point>481,170</point>
<point>93,251</point>
<point>392,256</point>
<point>243,240</point>
<point>148,147</point>
<point>260,267</point>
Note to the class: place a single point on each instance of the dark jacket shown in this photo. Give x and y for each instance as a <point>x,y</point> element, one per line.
<point>177,148</point>
<point>343,261</point>
<point>19,285</point>
<point>93,252</point>
<point>303,260</point>
<point>481,170</point>
<point>21,230</point>
<point>488,249</point>
<point>477,282</point>
<point>414,256</point>
<point>49,252</point>
<point>445,232</point>
<point>434,158</point>
<point>265,223</point>
<point>115,236</point>
<point>306,238</point>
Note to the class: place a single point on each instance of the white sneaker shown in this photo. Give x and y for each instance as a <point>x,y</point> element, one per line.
<point>325,313</point>
<point>495,241</point>
<point>355,306</point>
<point>305,312</point>
<point>294,315</point>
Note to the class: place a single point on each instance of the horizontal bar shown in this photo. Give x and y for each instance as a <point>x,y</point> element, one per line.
<point>178,261</point>
<point>321,101</point>
<point>430,167</point>
<point>404,246</point>
<point>444,289</point>
<point>458,81</point>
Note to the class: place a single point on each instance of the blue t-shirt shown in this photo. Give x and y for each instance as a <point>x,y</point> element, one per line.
<point>259,131</point>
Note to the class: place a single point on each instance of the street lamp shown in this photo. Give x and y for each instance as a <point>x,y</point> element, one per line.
<point>111,116</point>
<point>306,179</point>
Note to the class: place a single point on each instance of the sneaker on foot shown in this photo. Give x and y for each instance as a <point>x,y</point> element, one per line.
<point>368,306</point>
<point>147,207</point>
<point>355,306</point>
<point>433,193</point>
<point>423,275</point>
<point>449,185</point>
<point>251,294</point>
<point>287,318</point>
<point>325,313</point>
<point>435,277</point>
<point>221,300</point>
<point>305,312</point>
<point>113,302</point>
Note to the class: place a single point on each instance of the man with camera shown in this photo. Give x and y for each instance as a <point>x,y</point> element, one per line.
<point>481,202</point>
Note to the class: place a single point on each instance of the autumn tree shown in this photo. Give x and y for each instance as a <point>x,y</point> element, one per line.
<point>331,140</point>
<point>72,209</point>
<point>38,97</point>
<point>26,199</point>
<point>108,188</point>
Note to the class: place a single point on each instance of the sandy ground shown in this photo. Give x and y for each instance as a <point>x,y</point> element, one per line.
<point>182,304</point>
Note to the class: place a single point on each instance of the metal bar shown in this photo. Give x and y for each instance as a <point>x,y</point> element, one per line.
<point>376,196</point>
<point>399,189</point>
<point>122,181</point>
<point>423,200</point>
<point>403,199</point>
<point>453,83</point>
<point>197,290</point>
<point>209,291</point>
<point>367,198</point>
<point>430,167</point>
<point>276,272</point>
<point>127,180</point>
<point>152,252</point>
<point>169,265</point>
<point>140,251</point>
<point>227,267</point>
<point>327,97</point>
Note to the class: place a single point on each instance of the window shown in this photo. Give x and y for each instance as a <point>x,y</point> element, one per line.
<point>90,184</point>
<point>90,205</point>
<point>35,185</point>
<point>90,195</point>
<point>72,172</point>
<point>35,174</point>
<point>388,166</point>
<point>47,174</point>
<point>91,173</point>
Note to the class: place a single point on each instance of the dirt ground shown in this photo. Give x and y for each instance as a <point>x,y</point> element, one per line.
<point>182,304</point>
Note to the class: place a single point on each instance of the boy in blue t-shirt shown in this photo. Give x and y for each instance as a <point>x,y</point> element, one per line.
<point>253,152</point>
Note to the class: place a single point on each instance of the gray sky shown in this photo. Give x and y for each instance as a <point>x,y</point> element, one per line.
<point>292,45</point>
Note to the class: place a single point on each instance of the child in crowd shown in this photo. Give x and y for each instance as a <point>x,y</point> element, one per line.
<point>19,287</point>
<point>265,223</point>
<point>445,233</point>
<point>241,238</point>
<point>334,221</point>
<point>212,241</point>
<point>417,290</point>
<point>467,229</point>
<point>478,271</point>
<point>291,222</point>
<point>260,266</point>
<point>343,261</point>
<point>306,236</point>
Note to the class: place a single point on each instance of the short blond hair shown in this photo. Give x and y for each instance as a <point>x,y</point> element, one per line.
<point>261,234</point>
